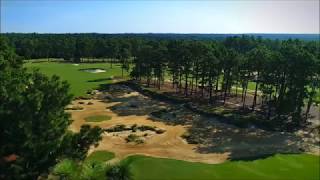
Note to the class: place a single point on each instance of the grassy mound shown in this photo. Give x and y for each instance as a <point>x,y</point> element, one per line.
<point>97,118</point>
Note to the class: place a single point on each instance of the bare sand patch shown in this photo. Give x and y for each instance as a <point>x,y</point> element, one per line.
<point>131,94</point>
<point>166,145</point>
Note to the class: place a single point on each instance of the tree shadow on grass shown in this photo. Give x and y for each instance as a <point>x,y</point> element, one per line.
<point>100,80</point>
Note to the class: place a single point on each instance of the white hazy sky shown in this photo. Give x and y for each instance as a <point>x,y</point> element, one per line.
<point>137,16</point>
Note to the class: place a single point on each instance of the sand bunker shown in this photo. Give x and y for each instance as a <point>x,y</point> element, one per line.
<point>215,141</point>
<point>93,70</point>
<point>166,145</point>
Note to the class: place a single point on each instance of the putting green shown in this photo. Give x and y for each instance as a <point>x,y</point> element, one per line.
<point>99,156</point>
<point>97,118</point>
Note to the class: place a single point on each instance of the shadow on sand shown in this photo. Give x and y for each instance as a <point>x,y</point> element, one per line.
<point>211,135</point>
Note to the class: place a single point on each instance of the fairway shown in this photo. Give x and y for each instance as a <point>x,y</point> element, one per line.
<point>80,81</point>
<point>278,167</point>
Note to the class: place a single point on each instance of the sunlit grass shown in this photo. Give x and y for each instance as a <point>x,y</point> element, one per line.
<point>97,118</point>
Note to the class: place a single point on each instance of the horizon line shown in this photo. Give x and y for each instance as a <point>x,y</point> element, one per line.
<point>154,33</point>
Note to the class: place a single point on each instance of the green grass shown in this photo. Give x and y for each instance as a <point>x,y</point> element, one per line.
<point>66,167</point>
<point>278,167</point>
<point>99,156</point>
<point>293,167</point>
<point>93,167</point>
<point>97,118</point>
<point>80,81</point>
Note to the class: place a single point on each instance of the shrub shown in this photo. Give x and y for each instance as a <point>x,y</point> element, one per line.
<point>145,128</point>
<point>65,168</point>
<point>74,108</point>
<point>92,170</point>
<point>117,128</point>
<point>119,172</point>
<point>132,138</point>
<point>76,145</point>
<point>134,127</point>
<point>160,131</point>
<point>139,141</point>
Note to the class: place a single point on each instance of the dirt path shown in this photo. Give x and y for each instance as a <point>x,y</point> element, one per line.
<point>166,145</point>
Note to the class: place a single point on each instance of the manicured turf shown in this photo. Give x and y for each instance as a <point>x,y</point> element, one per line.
<point>293,167</point>
<point>97,118</point>
<point>99,156</point>
<point>80,81</point>
<point>278,167</point>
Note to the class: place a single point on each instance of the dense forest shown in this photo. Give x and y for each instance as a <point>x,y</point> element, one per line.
<point>285,73</point>
<point>34,133</point>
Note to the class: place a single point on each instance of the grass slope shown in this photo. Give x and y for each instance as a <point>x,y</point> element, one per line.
<point>97,118</point>
<point>99,156</point>
<point>80,81</point>
<point>293,167</point>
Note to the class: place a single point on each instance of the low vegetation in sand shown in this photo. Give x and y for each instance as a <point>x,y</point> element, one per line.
<point>134,128</point>
<point>134,138</point>
<point>74,108</point>
<point>97,118</point>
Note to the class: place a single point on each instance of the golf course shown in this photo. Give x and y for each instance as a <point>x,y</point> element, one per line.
<point>159,90</point>
<point>161,163</point>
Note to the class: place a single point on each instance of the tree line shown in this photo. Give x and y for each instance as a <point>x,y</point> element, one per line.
<point>33,123</point>
<point>285,73</point>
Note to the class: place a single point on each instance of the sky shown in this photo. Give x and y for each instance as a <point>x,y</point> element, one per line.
<point>156,16</point>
